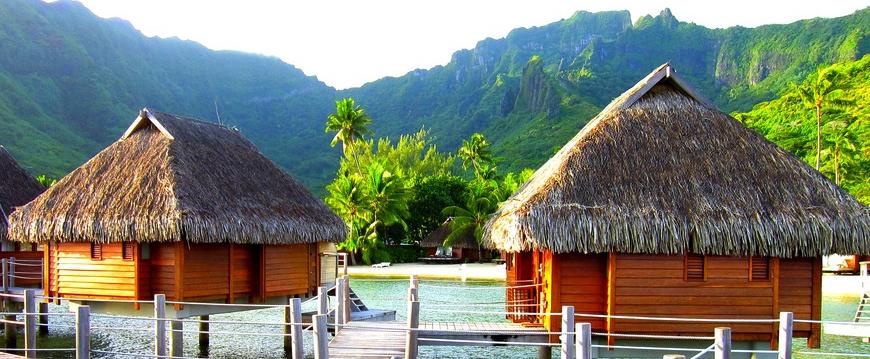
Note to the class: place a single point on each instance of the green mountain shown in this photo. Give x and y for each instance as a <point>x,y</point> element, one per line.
<point>70,82</point>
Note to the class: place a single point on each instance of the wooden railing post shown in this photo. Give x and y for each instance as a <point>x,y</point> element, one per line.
<point>345,283</point>
<point>43,319</point>
<point>321,337</point>
<point>413,324</point>
<point>344,263</point>
<point>673,356</point>
<point>322,301</point>
<point>30,314</point>
<point>568,350</point>
<point>203,336</point>
<point>5,265</point>
<point>339,302</point>
<point>83,332</point>
<point>722,343</point>
<point>413,282</point>
<point>12,272</point>
<point>160,325</point>
<point>293,341</point>
<point>786,321</point>
<point>583,334</point>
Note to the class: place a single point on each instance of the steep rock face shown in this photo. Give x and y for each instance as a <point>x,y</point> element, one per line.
<point>536,94</point>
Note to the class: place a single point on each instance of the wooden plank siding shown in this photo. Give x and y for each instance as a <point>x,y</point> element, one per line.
<point>286,269</point>
<point>74,274</point>
<point>161,267</point>
<point>206,273</point>
<point>583,284</point>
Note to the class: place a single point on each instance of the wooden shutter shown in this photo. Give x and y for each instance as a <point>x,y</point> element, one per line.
<point>96,251</point>
<point>127,251</point>
<point>695,270</point>
<point>759,268</point>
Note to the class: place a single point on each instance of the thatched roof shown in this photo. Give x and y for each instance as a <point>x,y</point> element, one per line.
<point>174,179</point>
<point>660,170</point>
<point>438,236</point>
<point>17,188</point>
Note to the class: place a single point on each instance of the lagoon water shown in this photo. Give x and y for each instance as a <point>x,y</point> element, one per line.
<point>440,301</point>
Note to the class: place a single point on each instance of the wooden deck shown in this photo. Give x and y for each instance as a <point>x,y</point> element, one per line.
<point>366,341</point>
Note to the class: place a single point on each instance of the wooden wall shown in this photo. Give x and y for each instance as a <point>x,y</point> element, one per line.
<point>287,269</point>
<point>73,274</point>
<point>583,284</point>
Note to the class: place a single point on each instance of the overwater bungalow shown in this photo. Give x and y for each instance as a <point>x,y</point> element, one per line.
<point>180,207</point>
<point>17,187</point>
<point>664,206</point>
<point>463,249</point>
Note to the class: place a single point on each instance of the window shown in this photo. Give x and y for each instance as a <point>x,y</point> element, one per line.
<point>96,251</point>
<point>695,264</point>
<point>127,251</point>
<point>759,268</point>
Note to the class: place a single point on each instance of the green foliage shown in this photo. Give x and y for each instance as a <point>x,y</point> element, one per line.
<point>397,254</point>
<point>791,121</point>
<point>46,181</point>
<point>475,151</point>
<point>431,195</point>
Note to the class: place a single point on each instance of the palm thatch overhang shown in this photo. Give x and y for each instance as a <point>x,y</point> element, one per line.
<point>661,171</point>
<point>17,188</point>
<point>437,237</point>
<point>172,179</point>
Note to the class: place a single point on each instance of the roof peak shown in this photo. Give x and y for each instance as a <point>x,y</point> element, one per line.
<point>664,72</point>
<point>150,116</point>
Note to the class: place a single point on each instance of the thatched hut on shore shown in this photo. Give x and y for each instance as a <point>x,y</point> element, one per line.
<point>664,206</point>
<point>464,248</point>
<point>17,187</point>
<point>181,207</point>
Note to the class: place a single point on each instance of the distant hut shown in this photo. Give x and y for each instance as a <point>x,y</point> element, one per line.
<point>17,187</point>
<point>664,206</point>
<point>464,249</point>
<point>181,207</point>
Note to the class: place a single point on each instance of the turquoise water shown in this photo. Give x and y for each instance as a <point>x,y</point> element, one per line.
<point>440,301</point>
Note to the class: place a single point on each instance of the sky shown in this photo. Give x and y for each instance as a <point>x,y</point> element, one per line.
<point>351,42</point>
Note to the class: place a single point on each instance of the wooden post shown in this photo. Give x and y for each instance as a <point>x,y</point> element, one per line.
<point>723,343</point>
<point>10,332</point>
<point>160,325</point>
<point>413,324</point>
<point>321,337</point>
<point>584,340</point>
<point>786,320</point>
<point>203,335</point>
<point>568,350</point>
<point>293,332</point>
<point>414,283</point>
<point>545,352</point>
<point>412,295</point>
<point>176,338</point>
<point>83,332</point>
<point>43,319</point>
<point>673,356</point>
<point>346,297</point>
<point>30,314</point>
<point>5,265</point>
<point>339,303</point>
<point>322,301</point>
<point>11,272</point>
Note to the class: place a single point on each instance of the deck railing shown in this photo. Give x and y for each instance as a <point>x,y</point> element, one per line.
<point>20,272</point>
<point>520,297</point>
<point>332,266</point>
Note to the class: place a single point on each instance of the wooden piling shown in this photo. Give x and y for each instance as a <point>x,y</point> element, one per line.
<point>203,335</point>
<point>413,323</point>
<point>5,267</point>
<point>83,332</point>
<point>339,302</point>
<point>568,350</point>
<point>321,337</point>
<point>786,320</point>
<point>722,343</point>
<point>345,283</point>
<point>584,340</point>
<point>30,314</point>
<point>42,319</point>
<point>160,325</point>
<point>176,338</point>
<point>10,332</point>
<point>545,352</point>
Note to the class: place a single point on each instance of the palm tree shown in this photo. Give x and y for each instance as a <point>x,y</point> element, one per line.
<point>842,138</point>
<point>350,123</point>
<point>388,196</point>
<point>472,218</point>
<point>475,152</point>
<point>349,201</point>
<point>823,90</point>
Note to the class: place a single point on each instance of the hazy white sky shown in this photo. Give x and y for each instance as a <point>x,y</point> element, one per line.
<point>348,43</point>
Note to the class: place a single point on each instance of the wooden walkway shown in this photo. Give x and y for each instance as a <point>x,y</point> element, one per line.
<point>366,341</point>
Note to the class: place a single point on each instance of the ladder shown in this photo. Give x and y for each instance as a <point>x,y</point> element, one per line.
<point>863,312</point>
